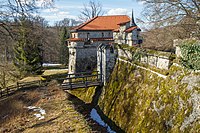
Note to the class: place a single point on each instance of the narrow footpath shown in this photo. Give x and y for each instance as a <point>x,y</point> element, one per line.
<point>46,109</point>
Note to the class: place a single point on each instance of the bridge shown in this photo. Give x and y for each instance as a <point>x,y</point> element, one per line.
<point>82,80</point>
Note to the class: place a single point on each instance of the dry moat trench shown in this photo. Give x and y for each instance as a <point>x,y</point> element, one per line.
<point>136,100</point>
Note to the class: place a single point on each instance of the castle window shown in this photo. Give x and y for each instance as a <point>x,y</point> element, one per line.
<point>71,68</point>
<point>88,34</point>
<point>109,34</point>
<point>102,34</point>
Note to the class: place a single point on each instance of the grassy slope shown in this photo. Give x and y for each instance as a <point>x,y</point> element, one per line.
<point>64,113</point>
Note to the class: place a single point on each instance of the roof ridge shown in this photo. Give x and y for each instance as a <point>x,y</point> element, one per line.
<point>131,28</point>
<point>80,26</point>
<point>113,15</point>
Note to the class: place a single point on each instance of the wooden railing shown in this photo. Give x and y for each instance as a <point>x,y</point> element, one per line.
<point>69,81</point>
<point>81,80</point>
<point>13,88</point>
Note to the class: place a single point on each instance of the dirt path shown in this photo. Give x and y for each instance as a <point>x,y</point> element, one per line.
<point>56,111</point>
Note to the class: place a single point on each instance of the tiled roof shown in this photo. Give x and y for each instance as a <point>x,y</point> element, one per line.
<point>131,29</point>
<point>123,23</point>
<point>103,23</point>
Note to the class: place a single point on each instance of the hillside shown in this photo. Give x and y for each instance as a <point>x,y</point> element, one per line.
<point>45,109</point>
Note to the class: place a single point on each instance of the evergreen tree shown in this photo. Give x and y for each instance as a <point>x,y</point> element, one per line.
<point>64,51</point>
<point>28,57</point>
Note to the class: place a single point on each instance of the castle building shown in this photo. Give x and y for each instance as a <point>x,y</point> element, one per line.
<point>86,37</point>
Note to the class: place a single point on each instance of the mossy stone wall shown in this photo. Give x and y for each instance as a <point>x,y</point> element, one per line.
<point>85,94</point>
<point>140,101</point>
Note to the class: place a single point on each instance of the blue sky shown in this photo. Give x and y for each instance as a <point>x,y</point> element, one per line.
<point>71,9</point>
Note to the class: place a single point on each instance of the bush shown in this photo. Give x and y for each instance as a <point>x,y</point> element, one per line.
<point>190,50</point>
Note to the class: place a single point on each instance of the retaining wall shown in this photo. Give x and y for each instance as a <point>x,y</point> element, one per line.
<point>161,60</point>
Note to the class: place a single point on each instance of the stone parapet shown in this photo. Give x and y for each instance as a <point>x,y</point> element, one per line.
<point>159,59</point>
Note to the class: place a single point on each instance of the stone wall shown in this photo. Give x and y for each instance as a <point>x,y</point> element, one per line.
<point>82,59</point>
<point>106,57</point>
<point>137,100</point>
<point>161,60</point>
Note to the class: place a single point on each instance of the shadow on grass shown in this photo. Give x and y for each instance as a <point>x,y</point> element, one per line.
<point>48,122</point>
<point>85,109</point>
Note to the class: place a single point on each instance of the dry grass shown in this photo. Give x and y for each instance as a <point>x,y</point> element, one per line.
<point>30,79</point>
<point>46,73</point>
<point>54,72</point>
<point>61,113</point>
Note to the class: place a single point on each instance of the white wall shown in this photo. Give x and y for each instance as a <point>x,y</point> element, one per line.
<point>72,60</point>
<point>95,34</point>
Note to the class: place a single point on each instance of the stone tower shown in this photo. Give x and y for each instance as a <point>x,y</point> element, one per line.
<point>82,57</point>
<point>106,58</point>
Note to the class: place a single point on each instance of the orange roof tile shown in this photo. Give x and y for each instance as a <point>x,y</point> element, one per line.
<point>123,23</point>
<point>103,23</point>
<point>131,28</point>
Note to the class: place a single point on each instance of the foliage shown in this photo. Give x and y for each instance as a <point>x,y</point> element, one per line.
<point>138,54</point>
<point>64,51</point>
<point>190,51</point>
<point>12,12</point>
<point>28,52</point>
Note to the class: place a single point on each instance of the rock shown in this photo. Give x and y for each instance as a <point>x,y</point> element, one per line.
<point>192,81</point>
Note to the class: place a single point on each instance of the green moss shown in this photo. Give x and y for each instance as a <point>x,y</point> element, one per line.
<point>128,100</point>
<point>84,94</point>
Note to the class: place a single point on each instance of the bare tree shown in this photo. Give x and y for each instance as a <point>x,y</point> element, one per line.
<point>14,10</point>
<point>18,21</point>
<point>90,10</point>
<point>184,13</point>
<point>168,20</point>
<point>170,11</point>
